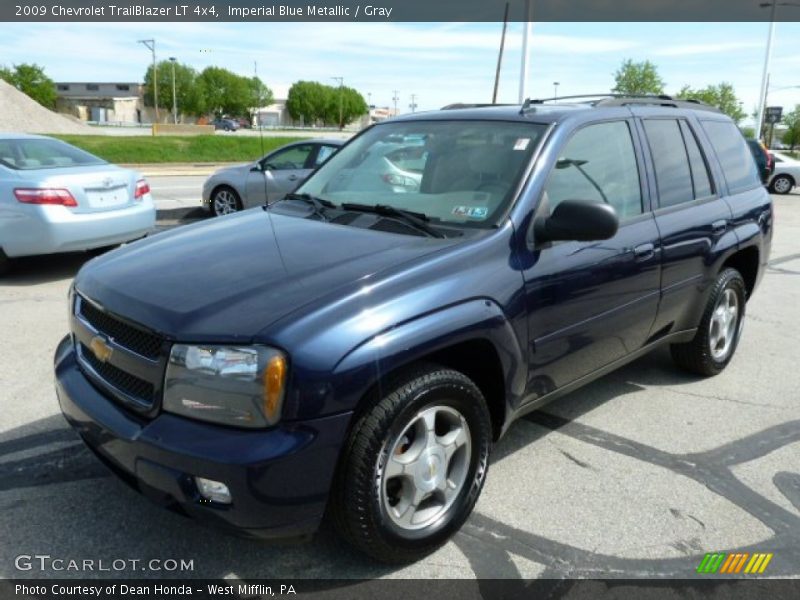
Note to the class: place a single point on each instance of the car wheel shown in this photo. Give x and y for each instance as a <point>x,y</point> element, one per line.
<point>413,466</point>
<point>720,328</point>
<point>224,201</point>
<point>781,185</point>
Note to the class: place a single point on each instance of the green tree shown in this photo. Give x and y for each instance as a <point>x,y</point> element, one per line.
<point>30,79</point>
<point>792,121</point>
<point>637,78</point>
<point>260,95</point>
<point>723,96</point>
<point>189,89</point>
<point>343,105</point>
<point>314,102</point>
<point>748,132</point>
<point>309,101</point>
<point>226,93</point>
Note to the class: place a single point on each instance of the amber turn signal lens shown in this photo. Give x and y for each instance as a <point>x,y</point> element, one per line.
<point>274,381</point>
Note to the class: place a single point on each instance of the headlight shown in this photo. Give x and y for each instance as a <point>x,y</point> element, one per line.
<point>231,385</point>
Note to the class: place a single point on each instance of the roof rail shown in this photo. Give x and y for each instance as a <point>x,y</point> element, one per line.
<point>458,105</point>
<point>657,101</point>
<point>606,99</point>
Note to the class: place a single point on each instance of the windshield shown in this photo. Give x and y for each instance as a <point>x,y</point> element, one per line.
<point>453,172</point>
<point>28,154</point>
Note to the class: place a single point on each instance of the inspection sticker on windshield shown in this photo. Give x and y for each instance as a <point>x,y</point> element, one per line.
<point>472,212</point>
<point>522,144</point>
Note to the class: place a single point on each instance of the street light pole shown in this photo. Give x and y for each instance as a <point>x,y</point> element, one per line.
<point>174,92</point>
<point>762,98</point>
<point>151,45</point>
<point>523,68</point>
<point>555,90</point>
<point>341,105</point>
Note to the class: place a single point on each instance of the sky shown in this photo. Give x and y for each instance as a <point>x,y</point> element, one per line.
<point>440,63</point>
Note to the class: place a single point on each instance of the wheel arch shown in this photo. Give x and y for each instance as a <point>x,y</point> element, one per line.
<point>746,261</point>
<point>473,338</point>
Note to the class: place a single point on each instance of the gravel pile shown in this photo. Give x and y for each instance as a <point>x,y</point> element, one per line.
<point>18,113</point>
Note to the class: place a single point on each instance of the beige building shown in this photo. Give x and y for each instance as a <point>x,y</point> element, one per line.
<point>117,103</point>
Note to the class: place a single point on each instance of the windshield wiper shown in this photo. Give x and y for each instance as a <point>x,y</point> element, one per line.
<point>416,219</point>
<point>319,204</point>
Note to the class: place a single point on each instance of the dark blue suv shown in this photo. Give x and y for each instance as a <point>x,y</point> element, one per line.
<point>355,349</point>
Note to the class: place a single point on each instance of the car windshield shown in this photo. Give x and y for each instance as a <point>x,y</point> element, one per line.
<point>30,154</point>
<point>452,172</point>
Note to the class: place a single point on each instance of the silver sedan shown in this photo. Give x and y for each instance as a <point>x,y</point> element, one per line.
<point>55,197</point>
<point>268,179</point>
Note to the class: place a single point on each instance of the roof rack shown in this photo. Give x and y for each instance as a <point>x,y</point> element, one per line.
<point>606,99</point>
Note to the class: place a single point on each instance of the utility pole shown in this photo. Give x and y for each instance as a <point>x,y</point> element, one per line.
<point>341,100</point>
<point>762,98</point>
<point>413,105</point>
<point>151,45</point>
<point>174,93</point>
<point>523,69</point>
<point>500,56</point>
<point>395,99</point>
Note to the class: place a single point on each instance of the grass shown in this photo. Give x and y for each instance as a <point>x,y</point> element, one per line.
<point>175,149</point>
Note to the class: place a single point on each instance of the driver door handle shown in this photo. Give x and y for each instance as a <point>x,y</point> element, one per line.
<point>292,178</point>
<point>644,252</point>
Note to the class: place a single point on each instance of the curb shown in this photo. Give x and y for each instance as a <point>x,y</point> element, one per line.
<point>178,169</point>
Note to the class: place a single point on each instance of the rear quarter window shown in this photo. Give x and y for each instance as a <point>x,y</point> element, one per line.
<point>737,162</point>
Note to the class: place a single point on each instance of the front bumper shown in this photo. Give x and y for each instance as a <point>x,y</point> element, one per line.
<point>279,478</point>
<point>50,229</point>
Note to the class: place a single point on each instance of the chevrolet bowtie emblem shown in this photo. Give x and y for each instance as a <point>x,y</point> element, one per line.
<point>100,349</point>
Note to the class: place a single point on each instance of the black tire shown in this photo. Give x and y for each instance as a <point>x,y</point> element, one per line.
<point>358,504</point>
<point>216,202</point>
<point>698,356</point>
<point>5,263</point>
<point>782,184</point>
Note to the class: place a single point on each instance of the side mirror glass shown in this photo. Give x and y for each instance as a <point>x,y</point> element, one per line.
<point>577,220</point>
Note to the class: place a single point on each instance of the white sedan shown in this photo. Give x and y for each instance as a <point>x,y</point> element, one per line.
<point>55,197</point>
<point>786,174</point>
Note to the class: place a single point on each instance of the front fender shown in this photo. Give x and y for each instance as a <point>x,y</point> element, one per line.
<point>367,364</point>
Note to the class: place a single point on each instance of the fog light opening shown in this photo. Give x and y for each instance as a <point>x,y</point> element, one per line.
<point>213,491</point>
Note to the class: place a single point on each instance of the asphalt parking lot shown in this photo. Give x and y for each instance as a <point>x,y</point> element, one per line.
<point>637,475</point>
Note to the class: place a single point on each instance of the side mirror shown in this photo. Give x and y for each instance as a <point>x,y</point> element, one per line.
<point>577,220</point>
<point>256,168</point>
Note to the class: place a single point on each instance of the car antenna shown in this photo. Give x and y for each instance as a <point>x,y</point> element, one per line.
<point>260,132</point>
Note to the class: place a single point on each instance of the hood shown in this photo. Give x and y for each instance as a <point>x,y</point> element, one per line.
<point>225,280</point>
<point>233,170</point>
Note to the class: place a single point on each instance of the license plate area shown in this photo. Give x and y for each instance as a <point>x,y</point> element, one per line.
<point>108,197</point>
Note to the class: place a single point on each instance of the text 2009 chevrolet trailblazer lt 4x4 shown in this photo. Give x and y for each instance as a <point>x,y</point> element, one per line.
<point>355,349</point>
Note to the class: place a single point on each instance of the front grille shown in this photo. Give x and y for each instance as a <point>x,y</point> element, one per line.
<point>135,339</point>
<point>126,383</point>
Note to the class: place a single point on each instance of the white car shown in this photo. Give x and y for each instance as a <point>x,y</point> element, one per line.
<point>786,174</point>
<point>55,197</point>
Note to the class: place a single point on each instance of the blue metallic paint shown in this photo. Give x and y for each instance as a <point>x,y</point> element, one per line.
<point>350,306</point>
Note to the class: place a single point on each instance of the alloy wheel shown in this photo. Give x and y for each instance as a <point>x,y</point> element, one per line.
<point>724,325</point>
<point>426,468</point>
<point>225,202</point>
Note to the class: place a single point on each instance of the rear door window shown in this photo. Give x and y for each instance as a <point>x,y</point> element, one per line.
<point>734,156</point>
<point>671,162</point>
<point>701,180</point>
